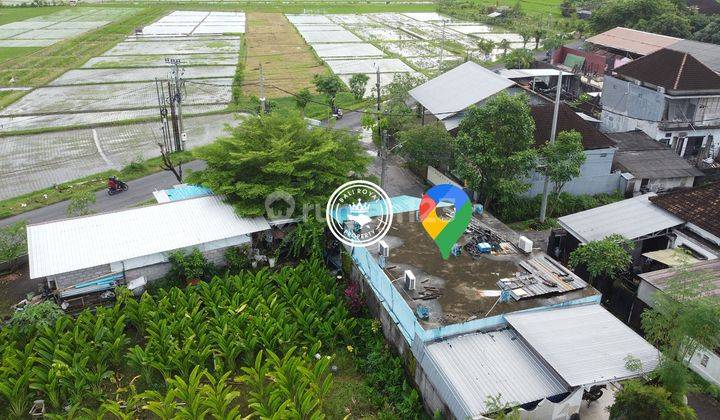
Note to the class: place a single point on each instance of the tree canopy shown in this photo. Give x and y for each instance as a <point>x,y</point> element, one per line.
<point>358,83</point>
<point>637,401</point>
<point>603,258</point>
<point>279,152</point>
<point>561,160</point>
<point>661,16</point>
<point>519,58</point>
<point>494,147</point>
<point>329,84</point>
<point>427,145</point>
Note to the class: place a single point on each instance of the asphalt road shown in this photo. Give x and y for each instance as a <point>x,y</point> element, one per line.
<point>139,190</point>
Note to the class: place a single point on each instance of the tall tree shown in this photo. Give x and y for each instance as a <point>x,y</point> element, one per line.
<point>504,45</point>
<point>538,33</point>
<point>328,84</point>
<point>358,83</point>
<point>654,15</point>
<point>494,147</point>
<point>279,152</point>
<point>302,99</point>
<point>486,46</point>
<point>395,115</point>
<point>427,145</point>
<point>684,318</point>
<point>561,161</point>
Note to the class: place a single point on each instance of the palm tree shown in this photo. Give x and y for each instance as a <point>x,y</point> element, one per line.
<point>504,45</point>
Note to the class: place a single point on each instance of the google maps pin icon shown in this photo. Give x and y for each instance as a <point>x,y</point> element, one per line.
<point>445,232</point>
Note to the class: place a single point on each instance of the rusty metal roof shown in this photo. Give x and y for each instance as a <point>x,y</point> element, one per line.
<point>632,40</point>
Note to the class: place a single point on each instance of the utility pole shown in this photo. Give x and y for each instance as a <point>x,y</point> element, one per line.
<point>162,106</point>
<point>262,90</point>
<point>442,47</point>
<point>176,100</point>
<point>381,134</point>
<point>553,132</point>
<point>175,124</point>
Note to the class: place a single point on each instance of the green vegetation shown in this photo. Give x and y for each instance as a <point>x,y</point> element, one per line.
<point>427,145</point>
<point>278,152</point>
<point>252,344</point>
<point>605,258</point>
<point>682,320</point>
<point>638,401</point>
<point>67,190</point>
<point>667,17</point>
<point>494,147</point>
<point>561,162</point>
<point>80,203</point>
<point>45,64</point>
<point>14,14</point>
<point>13,242</point>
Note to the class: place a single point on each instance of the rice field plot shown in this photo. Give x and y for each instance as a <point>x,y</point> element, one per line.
<point>288,63</point>
<point>46,30</point>
<point>33,161</point>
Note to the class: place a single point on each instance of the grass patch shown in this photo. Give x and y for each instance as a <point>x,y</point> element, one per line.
<point>14,14</point>
<point>92,183</point>
<point>272,41</point>
<point>45,64</point>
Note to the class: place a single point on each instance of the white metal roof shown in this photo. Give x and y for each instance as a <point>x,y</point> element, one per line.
<point>631,218</point>
<point>74,244</point>
<point>525,73</point>
<point>480,365</point>
<point>584,344</point>
<point>457,89</point>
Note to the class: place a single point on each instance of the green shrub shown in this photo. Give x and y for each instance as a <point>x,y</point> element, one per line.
<point>237,260</point>
<point>640,401</point>
<point>193,266</point>
<point>519,208</point>
<point>35,316</point>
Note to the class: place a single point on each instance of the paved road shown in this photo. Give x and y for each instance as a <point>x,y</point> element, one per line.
<point>139,190</point>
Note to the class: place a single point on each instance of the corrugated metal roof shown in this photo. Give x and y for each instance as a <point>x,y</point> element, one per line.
<point>709,270</point>
<point>584,344</point>
<point>631,218</point>
<point>481,365</point>
<point>457,89</point>
<point>74,244</point>
<point>632,40</point>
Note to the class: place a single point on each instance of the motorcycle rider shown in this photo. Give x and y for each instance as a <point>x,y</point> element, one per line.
<point>114,183</point>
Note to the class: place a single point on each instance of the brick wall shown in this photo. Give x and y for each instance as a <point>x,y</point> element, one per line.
<point>72,278</point>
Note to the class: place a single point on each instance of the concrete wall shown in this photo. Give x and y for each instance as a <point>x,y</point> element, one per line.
<point>158,271</point>
<point>711,370</point>
<point>65,280</point>
<point>659,184</point>
<point>596,176</point>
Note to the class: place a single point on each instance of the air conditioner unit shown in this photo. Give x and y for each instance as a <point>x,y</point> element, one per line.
<point>661,89</point>
<point>409,280</point>
<point>384,249</point>
<point>525,244</point>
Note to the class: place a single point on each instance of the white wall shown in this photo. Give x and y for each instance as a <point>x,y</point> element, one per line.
<point>595,176</point>
<point>711,372</point>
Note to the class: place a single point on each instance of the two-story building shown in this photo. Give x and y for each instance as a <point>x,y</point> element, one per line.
<point>672,97</point>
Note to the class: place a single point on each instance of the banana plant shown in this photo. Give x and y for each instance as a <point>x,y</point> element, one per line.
<point>15,374</point>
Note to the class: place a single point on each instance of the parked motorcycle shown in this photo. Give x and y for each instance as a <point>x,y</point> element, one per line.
<point>116,186</point>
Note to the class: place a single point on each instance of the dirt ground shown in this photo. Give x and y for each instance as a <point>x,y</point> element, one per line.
<point>14,287</point>
<point>288,62</point>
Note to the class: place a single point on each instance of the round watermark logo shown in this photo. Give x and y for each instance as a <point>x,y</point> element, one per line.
<point>359,213</point>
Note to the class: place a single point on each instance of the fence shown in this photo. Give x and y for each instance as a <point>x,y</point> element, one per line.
<point>388,295</point>
<point>405,318</point>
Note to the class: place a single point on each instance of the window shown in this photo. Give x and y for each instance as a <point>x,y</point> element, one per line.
<point>668,135</point>
<point>704,360</point>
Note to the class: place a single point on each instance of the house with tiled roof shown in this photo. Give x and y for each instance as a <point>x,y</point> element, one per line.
<point>671,96</point>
